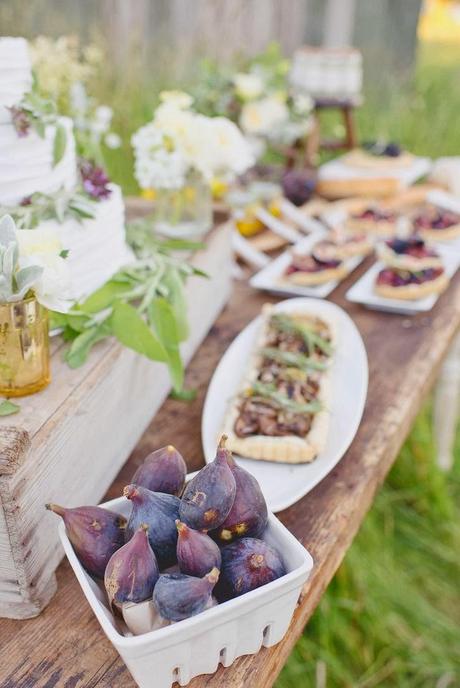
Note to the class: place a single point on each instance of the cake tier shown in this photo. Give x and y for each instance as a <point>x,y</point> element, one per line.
<point>27,163</point>
<point>15,74</point>
<point>97,247</point>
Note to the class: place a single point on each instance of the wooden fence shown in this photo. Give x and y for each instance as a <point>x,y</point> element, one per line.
<point>167,35</point>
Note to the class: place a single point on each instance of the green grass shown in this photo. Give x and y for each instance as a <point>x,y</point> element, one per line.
<point>391,616</point>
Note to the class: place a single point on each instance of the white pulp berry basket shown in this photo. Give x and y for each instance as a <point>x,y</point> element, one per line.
<point>197,645</point>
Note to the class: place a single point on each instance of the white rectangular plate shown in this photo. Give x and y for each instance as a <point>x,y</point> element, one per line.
<point>268,279</point>
<point>363,290</point>
<point>284,484</point>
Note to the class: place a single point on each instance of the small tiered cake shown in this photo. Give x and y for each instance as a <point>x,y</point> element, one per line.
<point>29,165</point>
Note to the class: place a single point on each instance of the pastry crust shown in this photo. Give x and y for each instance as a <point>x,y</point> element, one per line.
<point>289,449</point>
<point>402,261</point>
<point>412,292</point>
<point>440,234</point>
<point>306,279</point>
<point>363,159</point>
<point>350,249</point>
<point>383,228</point>
<point>377,187</point>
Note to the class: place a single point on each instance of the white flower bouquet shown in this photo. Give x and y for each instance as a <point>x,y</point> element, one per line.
<point>179,141</point>
<point>257,97</point>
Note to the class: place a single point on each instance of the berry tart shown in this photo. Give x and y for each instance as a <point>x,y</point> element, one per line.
<point>373,220</point>
<point>436,224</point>
<point>378,155</point>
<point>350,244</point>
<point>323,264</point>
<point>280,413</point>
<point>412,270</point>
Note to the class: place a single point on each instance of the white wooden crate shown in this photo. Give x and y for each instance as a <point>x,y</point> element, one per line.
<point>69,442</point>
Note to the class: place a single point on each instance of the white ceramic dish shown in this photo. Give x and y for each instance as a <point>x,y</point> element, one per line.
<point>285,484</point>
<point>304,222</point>
<point>268,279</point>
<point>219,635</point>
<point>363,290</point>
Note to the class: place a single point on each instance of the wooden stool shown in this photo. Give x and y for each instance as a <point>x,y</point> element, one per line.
<point>315,143</point>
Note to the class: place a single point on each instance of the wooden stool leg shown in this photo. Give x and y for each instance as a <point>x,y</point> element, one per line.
<point>351,139</point>
<point>313,141</point>
<point>446,406</point>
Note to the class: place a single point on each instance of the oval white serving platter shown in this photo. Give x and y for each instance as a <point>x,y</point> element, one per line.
<point>285,484</point>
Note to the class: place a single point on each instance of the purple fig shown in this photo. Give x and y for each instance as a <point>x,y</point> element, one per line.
<point>196,552</point>
<point>132,570</point>
<point>178,596</point>
<point>249,514</point>
<point>95,534</point>
<point>299,185</point>
<point>209,496</point>
<point>159,511</point>
<point>246,565</point>
<point>163,470</point>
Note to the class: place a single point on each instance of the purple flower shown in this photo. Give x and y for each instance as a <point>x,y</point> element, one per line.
<point>94,179</point>
<point>20,121</point>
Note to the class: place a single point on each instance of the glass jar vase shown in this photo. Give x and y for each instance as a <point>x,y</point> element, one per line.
<point>24,348</point>
<point>185,212</point>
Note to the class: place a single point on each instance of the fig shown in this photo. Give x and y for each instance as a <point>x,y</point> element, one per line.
<point>249,514</point>
<point>163,470</point>
<point>95,534</point>
<point>196,552</point>
<point>299,185</point>
<point>132,570</point>
<point>246,565</point>
<point>159,511</point>
<point>209,496</point>
<point>178,596</point>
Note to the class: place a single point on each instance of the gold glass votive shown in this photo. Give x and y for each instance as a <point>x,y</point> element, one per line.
<point>24,348</point>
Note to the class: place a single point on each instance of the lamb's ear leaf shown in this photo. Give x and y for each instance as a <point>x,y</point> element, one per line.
<point>60,140</point>
<point>26,278</point>
<point>7,231</point>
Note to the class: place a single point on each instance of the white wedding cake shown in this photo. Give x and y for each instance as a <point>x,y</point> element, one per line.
<point>96,246</point>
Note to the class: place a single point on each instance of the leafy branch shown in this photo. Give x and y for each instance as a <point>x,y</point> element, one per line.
<point>142,305</point>
<point>60,206</point>
<point>38,112</point>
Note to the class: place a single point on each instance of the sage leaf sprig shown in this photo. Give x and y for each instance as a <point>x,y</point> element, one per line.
<point>143,306</point>
<point>269,391</point>
<point>293,359</point>
<point>311,338</point>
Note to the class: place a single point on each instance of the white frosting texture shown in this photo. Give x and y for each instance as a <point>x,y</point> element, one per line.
<point>27,163</point>
<point>97,247</point>
<point>15,74</point>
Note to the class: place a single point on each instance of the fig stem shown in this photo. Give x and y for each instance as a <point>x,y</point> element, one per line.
<point>55,508</point>
<point>222,442</point>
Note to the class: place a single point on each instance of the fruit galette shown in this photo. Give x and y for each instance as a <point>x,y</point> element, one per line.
<point>436,224</point>
<point>373,220</point>
<point>412,270</point>
<point>323,264</point>
<point>378,155</point>
<point>280,412</point>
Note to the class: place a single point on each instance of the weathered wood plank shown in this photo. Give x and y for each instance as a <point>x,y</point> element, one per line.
<point>61,447</point>
<point>404,355</point>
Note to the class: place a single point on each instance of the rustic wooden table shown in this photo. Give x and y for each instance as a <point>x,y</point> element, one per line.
<point>65,647</point>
